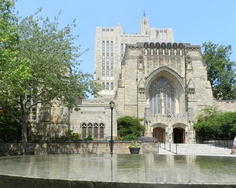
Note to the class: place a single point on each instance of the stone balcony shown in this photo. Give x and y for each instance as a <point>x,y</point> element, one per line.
<point>165,118</point>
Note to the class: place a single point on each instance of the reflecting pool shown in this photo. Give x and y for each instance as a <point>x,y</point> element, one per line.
<point>148,168</point>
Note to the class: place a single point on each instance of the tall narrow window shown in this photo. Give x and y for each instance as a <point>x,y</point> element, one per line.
<point>45,113</point>
<point>101,131</point>
<point>121,49</point>
<point>111,48</point>
<point>157,33</point>
<point>95,131</point>
<point>107,86</point>
<point>107,48</point>
<point>90,129</point>
<point>83,130</point>
<point>112,86</point>
<point>103,48</point>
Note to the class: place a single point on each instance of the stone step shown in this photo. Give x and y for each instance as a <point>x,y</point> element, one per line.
<point>194,149</point>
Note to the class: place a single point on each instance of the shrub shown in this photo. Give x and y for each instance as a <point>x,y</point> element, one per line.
<point>129,128</point>
<point>72,136</point>
<point>130,137</point>
<point>69,136</point>
<point>88,138</point>
<point>216,126</point>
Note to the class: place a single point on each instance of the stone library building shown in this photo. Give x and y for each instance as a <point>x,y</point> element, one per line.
<point>148,75</point>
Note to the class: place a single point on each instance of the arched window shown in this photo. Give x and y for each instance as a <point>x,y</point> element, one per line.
<point>90,129</point>
<point>95,131</point>
<point>84,130</point>
<point>101,136</point>
<point>162,97</point>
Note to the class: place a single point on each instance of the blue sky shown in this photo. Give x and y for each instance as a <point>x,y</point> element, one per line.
<point>193,21</point>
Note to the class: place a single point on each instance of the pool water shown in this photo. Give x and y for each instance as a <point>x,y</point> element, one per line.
<point>147,168</point>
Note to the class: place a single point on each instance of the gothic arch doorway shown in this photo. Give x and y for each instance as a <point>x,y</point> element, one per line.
<point>178,135</point>
<point>159,134</point>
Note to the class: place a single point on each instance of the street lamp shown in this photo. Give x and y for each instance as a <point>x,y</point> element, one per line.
<point>112,104</point>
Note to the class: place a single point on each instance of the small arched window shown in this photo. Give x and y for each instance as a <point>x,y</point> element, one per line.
<point>83,130</point>
<point>101,131</point>
<point>95,131</point>
<point>90,129</point>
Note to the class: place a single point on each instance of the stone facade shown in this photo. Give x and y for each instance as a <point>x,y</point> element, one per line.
<point>49,121</point>
<point>93,118</point>
<point>178,66</point>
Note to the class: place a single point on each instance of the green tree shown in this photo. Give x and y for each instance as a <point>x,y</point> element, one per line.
<point>208,112</point>
<point>8,33</point>
<point>129,127</point>
<point>44,71</point>
<point>220,70</point>
<point>9,127</point>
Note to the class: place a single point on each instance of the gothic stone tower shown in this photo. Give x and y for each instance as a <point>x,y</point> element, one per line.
<point>166,84</point>
<point>110,48</point>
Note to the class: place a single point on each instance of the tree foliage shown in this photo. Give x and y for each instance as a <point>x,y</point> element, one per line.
<point>220,70</point>
<point>216,125</point>
<point>129,127</point>
<point>8,33</point>
<point>39,65</point>
<point>9,127</point>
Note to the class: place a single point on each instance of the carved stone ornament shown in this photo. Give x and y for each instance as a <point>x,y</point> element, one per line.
<point>140,63</point>
<point>189,63</point>
<point>191,87</point>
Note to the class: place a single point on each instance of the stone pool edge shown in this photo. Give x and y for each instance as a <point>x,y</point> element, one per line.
<point>8,181</point>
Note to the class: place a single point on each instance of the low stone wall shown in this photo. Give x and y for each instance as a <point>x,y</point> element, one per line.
<point>226,105</point>
<point>26,182</point>
<point>92,147</point>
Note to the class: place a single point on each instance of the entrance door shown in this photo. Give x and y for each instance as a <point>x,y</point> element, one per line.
<point>159,134</point>
<point>179,135</point>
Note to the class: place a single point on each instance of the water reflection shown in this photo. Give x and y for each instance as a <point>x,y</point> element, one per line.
<point>148,168</point>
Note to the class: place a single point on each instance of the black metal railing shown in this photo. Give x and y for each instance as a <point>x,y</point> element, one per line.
<point>170,147</point>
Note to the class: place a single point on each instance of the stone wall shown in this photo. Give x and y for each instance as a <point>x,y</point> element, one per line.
<point>226,105</point>
<point>92,147</point>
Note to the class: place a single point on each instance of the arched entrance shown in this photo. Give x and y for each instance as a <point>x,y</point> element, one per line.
<point>159,134</point>
<point>178,135</point>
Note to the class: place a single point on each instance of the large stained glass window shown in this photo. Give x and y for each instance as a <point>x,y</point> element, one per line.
<point>162,97</point>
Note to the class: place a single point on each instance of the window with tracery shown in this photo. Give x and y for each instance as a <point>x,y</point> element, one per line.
<point>101,135</point>
<point>84,130</point>
<point>95,131</point>
<point>90,130</point>
<point>162,97</point>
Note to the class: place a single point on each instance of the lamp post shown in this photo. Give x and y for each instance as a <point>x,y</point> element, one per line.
<point>112,104</point>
